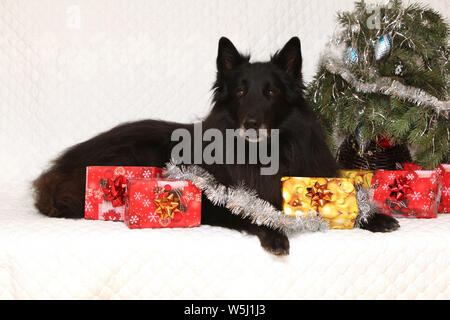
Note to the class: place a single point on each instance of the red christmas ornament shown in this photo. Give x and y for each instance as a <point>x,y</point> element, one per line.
<point>385,142</point>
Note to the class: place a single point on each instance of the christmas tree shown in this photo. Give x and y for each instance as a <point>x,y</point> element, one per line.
<point>384,77</point>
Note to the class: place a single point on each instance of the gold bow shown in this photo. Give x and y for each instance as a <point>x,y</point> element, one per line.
<point>167,206</point>
<point>319,195</point>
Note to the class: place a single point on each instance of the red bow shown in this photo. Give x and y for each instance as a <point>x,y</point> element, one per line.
<point>400,188</point>
<point>115,190</point>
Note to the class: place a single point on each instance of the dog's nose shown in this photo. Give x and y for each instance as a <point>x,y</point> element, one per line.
<point>251,124</point>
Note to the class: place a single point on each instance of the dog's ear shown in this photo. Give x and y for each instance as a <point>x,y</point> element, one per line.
<point>289,59</point>
<point>228,57</point>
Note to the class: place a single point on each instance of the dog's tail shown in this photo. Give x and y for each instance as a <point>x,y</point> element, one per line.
<point>57,194</point>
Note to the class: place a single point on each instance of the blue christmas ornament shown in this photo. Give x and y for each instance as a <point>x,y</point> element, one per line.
<point>351,56</point>
<point>383,47</point>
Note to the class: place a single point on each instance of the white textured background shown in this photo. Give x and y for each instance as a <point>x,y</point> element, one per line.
<point>70,69</point>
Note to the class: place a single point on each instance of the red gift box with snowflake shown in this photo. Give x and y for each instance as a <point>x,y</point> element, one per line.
<point>106,190</point>
<point>444,172</point>
<point>163,204</point>
<point>411,194</point>
<point>409,166</point>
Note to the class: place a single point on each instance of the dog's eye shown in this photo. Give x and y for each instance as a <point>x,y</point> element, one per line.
<point>240,93</point>
<point>271,93</point>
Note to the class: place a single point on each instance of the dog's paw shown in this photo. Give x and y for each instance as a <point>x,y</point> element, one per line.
<point>275,243</point>
<point>381,223</point>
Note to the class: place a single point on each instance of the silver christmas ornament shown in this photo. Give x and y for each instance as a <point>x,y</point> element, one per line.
<point>383,47</point>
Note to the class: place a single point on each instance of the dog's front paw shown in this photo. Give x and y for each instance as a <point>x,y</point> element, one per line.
<point>276,243</point>
<point>381,223</point>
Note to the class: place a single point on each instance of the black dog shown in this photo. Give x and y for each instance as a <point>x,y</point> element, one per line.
<point>246,95</point>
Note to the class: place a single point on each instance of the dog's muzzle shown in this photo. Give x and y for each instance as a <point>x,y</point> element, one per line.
<point>254,135</point>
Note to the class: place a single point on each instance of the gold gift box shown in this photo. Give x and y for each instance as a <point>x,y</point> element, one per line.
<point>360,177</point>
<point>334,199</point>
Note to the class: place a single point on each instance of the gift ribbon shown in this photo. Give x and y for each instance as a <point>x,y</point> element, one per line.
<point>115,191</point>
<point>319,195</point>
<point>167,206</point>
<point>400,188</point>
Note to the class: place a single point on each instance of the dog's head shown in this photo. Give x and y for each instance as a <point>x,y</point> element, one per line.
<point>258,95</point>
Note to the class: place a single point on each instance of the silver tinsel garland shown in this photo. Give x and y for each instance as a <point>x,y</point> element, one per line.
<point>245,203</point>
<point>332,60</point>
<point>366,206</point>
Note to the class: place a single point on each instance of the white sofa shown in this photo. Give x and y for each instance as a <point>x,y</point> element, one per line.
<point>71,69</point>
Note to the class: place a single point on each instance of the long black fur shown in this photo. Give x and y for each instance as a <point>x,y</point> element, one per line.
<point>245,94</point>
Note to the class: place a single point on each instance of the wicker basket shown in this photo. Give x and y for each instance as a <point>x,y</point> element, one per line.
<point>374,157</point>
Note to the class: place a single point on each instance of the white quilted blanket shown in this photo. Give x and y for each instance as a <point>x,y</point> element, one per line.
<point>54,258</point>
<point>70,69</point>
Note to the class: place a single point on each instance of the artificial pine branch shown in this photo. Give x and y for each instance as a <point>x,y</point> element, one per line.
<point>417,67</point>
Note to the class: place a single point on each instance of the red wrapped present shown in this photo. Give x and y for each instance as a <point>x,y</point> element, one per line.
<point>444,172</point>
<point>106,190</point>
<point>163,204</point>
<point>407,166</point>
<point>407,193</point>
